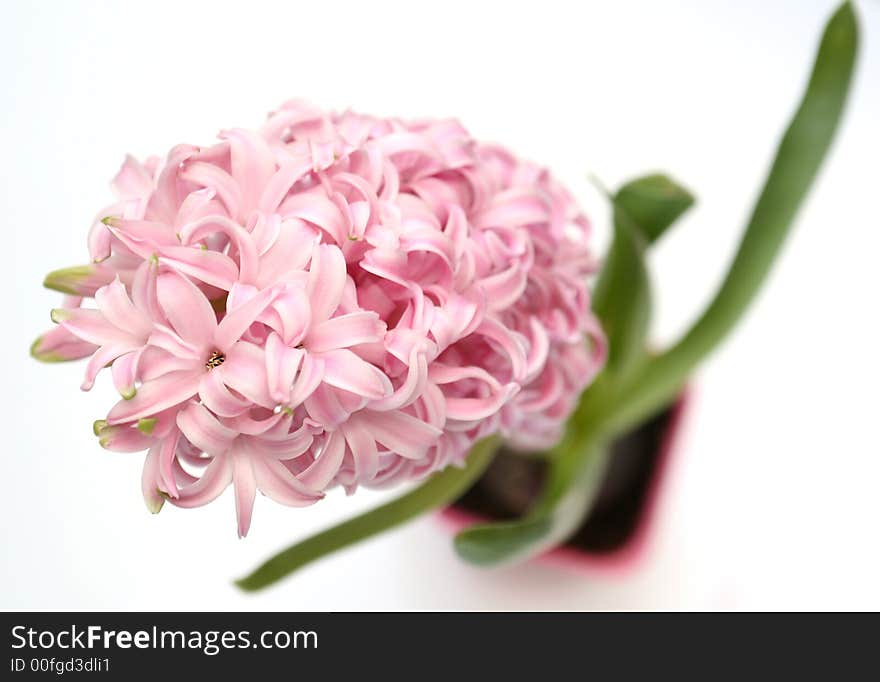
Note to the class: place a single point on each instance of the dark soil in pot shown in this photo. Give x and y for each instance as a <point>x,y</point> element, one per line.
<point>512,482</point>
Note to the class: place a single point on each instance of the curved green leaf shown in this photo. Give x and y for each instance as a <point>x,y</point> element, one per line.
<point>798,158</point>
<point>575,479</point>
<point>442,488</point>
<point>622,300</point>
<point>491,543</point>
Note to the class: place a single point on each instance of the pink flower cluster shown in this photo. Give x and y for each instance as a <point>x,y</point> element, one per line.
<point>335,299</point>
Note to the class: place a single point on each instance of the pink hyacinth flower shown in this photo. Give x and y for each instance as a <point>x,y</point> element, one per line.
<point>332,300</point>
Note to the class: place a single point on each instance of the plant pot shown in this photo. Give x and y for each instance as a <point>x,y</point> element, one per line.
<point>617,532</point>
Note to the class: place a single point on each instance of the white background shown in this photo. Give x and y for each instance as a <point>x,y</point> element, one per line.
<point>773,501</point>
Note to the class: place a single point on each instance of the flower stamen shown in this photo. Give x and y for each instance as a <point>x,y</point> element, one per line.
<point>217,358</point>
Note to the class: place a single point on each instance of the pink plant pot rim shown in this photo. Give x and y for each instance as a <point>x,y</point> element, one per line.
<point>628,556</point>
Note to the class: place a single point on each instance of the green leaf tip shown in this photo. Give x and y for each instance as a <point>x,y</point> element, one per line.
<point>653,202</point>
<point>98,426</point>
<point>69,280</point>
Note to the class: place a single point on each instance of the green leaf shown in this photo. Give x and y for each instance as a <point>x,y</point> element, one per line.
<point>442,488</point>
<point>622,299</point>
<point>800,155</point>
<point>492,543</point>
<point>575,478</point>
<point>653,203</point>
<point>643,209</point>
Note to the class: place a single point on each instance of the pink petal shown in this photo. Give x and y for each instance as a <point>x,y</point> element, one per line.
<point>154,362</point>
<point>287,448</point>
<point>428,239</point>
<point>314,207</point>
<point>163,202</point>
<point>170,343</point>
<point>197,205</point>
<point>411,388</point>
<point>210,267</point>
<point>513,208</point>
<point>472,409</point>
<point>204,431</point>
<point>248,263</point>
<point>245,371</point>
<point>123,439</point>
<point>363,448</point>
<point>252,163</point>
<point>142,237</point>
<point>100,239</point>
<point>240,294</point>
<point>90,326</point>
<point>281,182</point>
<point>60,345</point>
<point>403,434</point>
<point>167,454</point>
<point>344,369</point>
<point>80,280</point>
<point>144,291</point>
<point>504,288</point>
<point>218,398</point>
<point>156,395</point>
<point>511,343</point>
<point>245,424</point>
<point>538,348</point>
<point>103,357</point>
<point>133,180</point>
<point>327,276</point>
<point>293,315</point>
<point>245,485</point>
<point>150,481</point>
<point>237,320</point>
<point>214,177</point>
<point>322,471</point>
<point>114,303</point>
<point>289,253</point>
<point>307,381</point>
<point>124,371</point>
<point>188,310</point>
<point>213,481</point>
<point>282,364</point>
<point>324,407</point>
<point>345,331</point>
<point>276,481</point>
